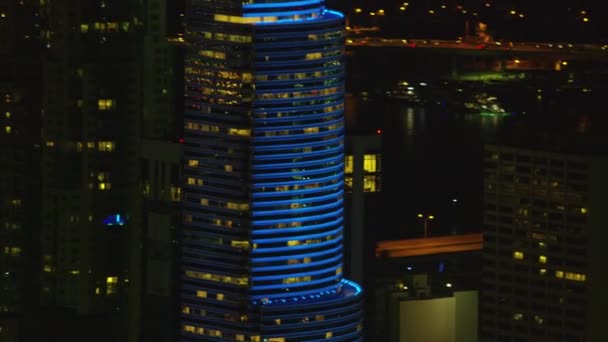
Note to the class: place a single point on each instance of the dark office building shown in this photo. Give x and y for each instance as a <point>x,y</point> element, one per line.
<point>19,163</point>
<point>545,239</point>
<point>264,175</point>
<point>91,211</point>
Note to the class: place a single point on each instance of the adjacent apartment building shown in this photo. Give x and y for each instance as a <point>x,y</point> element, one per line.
<point>545,237</point>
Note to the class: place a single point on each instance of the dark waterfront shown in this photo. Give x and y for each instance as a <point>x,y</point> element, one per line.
<point>432,143</point>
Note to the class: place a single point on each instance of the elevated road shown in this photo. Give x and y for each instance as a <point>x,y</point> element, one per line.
<point>565,50</point>
<point>429,246</point>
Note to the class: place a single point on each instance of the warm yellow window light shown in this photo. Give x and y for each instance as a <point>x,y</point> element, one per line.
<point>518,255</point>
<point>105,104</point>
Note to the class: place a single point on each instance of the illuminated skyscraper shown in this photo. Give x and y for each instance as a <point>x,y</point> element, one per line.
<point>264,163</point>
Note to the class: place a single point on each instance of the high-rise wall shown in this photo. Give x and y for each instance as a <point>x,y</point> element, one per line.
<point>264,175</point>
<point>90,192</point>
<point>19,157</point>
<point>544,245</point>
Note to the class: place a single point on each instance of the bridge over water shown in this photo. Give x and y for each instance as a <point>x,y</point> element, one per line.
<point>458,57</point>
<point>496,56</point>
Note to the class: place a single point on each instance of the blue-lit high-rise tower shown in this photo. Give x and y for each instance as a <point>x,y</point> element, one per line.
<point>263,175</point>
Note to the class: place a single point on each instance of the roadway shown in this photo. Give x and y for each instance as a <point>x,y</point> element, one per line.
<point>524,47</point>
<point>429,246</point>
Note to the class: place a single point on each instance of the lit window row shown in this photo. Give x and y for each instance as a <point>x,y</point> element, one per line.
<point>216,91</point>
<point>292,280</point>
<point>194,181</point>
<point>327,35</point>
<point>218,75</point>
<point>207,128</point>
<point>218,278</point>
<point>283,188</point>
<point>298,261</point>
<point>314,55</point>
<point>309,56</point>
<point>102,146</point>
<point>297,76</point>
<point>213,100</point>
<point>12,226</point>
<point>212,54</point>
<point>240,244</point>
<point>217,333</point>
<point>104,186</point>
<point>12,250</point>
<point>204,128</point>
<point>111,285</point>
<point>201,331</point>
<point>236,38</point>
<point>328,109</point>
<point>105,104</point>
<point>284,225</point>
<point>261,19</point>
<point>239,131</point>
<point>298,94</point>
<point>310,241</point>
<point>519,255</point>
<point>371,168</point>
<point>227,205</point>
<point>218,86</point>
<point>307,130</point>
<point>105,27</point>
<point>571,275</point>
<point>175,194</point>
<point>221,223</point>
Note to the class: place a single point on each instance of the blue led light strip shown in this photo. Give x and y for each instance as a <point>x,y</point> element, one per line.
<point>283,4</point>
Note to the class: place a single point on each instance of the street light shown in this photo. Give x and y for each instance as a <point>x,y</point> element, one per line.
<point>426,220</point>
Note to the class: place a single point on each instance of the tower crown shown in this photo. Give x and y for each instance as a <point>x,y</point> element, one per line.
<point>261,11</point>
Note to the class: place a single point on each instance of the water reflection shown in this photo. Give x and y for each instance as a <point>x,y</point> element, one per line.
<point>431,155</point>
<point>433,150</point>
<point>409,123</point>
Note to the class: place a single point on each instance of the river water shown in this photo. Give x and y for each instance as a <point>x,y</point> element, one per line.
<point>433,149</point>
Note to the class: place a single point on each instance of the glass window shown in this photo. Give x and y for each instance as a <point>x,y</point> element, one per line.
<point>105,104</point>
<point>518,255</point>
<point>111,285</point>
<point>348,164</point>
<point>348,183</point>
<point>371,183</point>
<point>371,163</point>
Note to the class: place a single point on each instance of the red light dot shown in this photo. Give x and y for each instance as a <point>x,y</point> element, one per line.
<point>181,140</point>
<point>379,131</point>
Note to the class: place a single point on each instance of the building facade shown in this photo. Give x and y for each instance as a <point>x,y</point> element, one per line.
<point>544,246</point>
<point>263,185</point>
<point>19,164</point>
